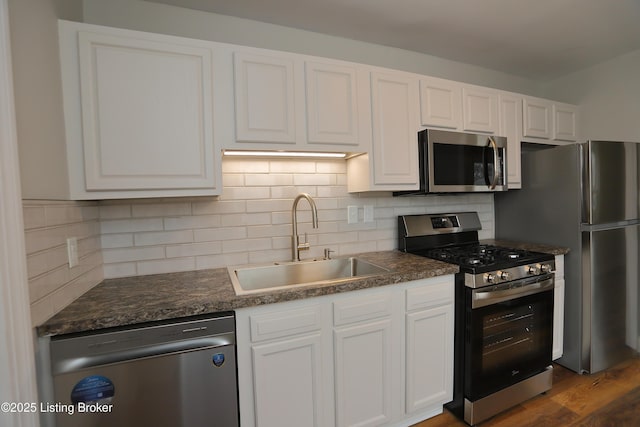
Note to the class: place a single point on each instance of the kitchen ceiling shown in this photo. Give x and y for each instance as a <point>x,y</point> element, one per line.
<point>536,39</point>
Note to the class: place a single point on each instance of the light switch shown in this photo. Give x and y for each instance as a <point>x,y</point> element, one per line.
<point>72,251</point>
<point>352,214</point>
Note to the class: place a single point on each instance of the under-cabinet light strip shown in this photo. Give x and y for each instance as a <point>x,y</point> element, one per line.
<point>250,153</point>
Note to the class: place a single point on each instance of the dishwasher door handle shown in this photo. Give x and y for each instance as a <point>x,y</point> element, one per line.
<point>87,361</point>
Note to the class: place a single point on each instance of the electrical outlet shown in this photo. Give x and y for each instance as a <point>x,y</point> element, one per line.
<point>368,213</point>
<point>72,251</point>
<point>352,214</point>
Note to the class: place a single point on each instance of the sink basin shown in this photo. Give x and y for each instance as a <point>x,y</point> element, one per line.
<point>250,279</point>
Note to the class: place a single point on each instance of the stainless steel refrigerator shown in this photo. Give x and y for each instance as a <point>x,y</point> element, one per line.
<point>585,197</point>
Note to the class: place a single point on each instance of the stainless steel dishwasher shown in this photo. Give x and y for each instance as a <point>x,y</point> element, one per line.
<point>178,373</point>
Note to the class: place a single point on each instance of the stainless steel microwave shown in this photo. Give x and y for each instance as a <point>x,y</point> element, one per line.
<point>455,162</point>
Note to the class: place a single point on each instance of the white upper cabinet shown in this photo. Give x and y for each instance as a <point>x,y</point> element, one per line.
<point>565,122</point>
<point>138,114</point>
<point>446,104</point>
<point>547,121</point>
<point>440,103</point>
<point>510,107</point>
<point>479,110</point>
<point>293,102</point>
<point>394,111</point>
<point>332,104</point>
<point>265,98</point>
<point>537,118</point>
<point>392,163</point>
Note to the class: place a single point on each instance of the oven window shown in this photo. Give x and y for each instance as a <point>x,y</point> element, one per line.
<point>456,164</point>
<point>507,342</point>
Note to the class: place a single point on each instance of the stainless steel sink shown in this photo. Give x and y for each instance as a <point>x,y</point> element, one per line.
<point>249,279</point>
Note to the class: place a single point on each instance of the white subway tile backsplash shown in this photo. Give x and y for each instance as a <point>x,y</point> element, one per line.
<point>246,245</point>
<point>191,222</point>
<point>52,284</point>
<point>131,225</point>
<point>166,266</point>
<point>245,219</point>
<point>193,249</point>
<point>268,179</point>
<point>132,254</point>
<point>245,193</point>
<point>314,179</point>
<point>33,217</point>
<point>125,269</point>
<point>219,234</point>
<point>160,210</point>
<point>115,211</point>
<point>219,207</point>
<point>249,223</point>
<point>120,240</point>
<point>162,237</point>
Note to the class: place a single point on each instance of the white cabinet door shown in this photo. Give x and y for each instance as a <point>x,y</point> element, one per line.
<point>537,118</point>
<point>511,128</point>
<point>395,126</point>
<point>479,110</point>
<point>564,122</point>
<point>440,104</point>
<point>265,98</point>
<point>138,113</point>
<point>363,368</point>
<point>347,359</point>
<point>147,116</point>
<point>332,104</point>
<point>429,349</point>
<point>429,358</point>
<point>287,381</point>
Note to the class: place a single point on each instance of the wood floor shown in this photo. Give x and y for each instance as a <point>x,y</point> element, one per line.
<point>610,398</point>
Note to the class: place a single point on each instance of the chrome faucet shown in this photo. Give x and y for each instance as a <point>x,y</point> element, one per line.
<point>296,246</point>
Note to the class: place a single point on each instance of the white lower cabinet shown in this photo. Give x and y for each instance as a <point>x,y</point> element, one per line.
<point>287,377</point>
<point>373,357</point>
<point>363,365</point>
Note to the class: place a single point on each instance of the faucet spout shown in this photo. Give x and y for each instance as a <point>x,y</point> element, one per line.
<point>296,246</point>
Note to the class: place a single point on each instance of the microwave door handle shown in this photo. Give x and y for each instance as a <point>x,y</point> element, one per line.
<point>496,159</point>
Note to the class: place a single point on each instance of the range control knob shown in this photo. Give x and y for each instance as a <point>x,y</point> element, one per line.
<point>503,275</point>
<point>545,268</point>
<point>489,277</point>
<point>533,269</point>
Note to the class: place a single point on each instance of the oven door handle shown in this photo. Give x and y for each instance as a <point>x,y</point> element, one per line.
<point>482,298</point>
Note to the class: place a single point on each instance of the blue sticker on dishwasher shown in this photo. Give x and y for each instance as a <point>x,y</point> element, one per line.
<point>94,388</point>
<point>218,359</point>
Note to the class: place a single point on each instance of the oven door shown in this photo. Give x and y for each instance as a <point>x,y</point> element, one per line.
<point>509,334</point>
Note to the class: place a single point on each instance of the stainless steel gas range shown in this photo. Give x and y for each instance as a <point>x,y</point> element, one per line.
<point>503,313</point>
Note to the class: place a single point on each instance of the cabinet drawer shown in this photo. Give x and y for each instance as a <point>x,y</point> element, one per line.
<point>357,309</point>
<point>429,295</point>
<point>285,323</point>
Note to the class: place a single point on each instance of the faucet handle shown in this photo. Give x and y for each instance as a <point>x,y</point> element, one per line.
<point>304,245</point>
<point>327,253</point>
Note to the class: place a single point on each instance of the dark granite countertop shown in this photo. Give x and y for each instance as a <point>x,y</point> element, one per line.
<point>132,300</point>
<point>536,247</point>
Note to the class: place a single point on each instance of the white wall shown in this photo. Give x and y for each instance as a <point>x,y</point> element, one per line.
<point>153,17</point>
<point>608,95</point>
<point>38,101</point>
<point>52,284</point>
